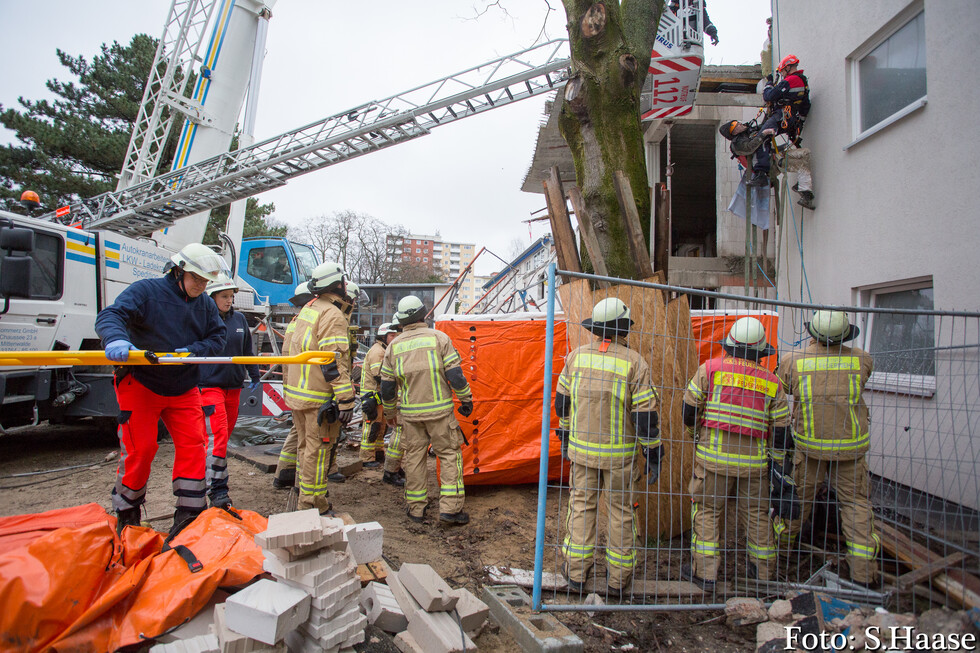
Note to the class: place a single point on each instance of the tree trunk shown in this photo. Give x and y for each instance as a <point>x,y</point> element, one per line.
<point>600,118</point>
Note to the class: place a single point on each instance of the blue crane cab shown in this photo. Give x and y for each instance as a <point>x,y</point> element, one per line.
<point>274,266</point>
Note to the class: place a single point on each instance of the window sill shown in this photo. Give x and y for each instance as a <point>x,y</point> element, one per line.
<point>903,384</point>
<point>895,117</point>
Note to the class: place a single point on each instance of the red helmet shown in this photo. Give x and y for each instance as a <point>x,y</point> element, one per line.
<point>788,60</point>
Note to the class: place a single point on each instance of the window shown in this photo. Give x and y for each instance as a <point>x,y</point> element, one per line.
<point>418,251</point>
<point>416,259</point>
<point>425,242</point>
<point>270,264</point>
<point>889,75</point>
<point>46,268</point>
<point>305,260</point>
<point>902,345</point>
<point>425,259</point>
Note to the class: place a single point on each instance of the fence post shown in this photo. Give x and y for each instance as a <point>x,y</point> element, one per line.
<point>549,348</point>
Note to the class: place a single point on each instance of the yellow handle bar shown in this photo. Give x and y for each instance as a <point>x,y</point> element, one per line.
<point>140,357</point>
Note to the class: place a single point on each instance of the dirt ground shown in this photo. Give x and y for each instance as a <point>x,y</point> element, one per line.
<point>78,466</point>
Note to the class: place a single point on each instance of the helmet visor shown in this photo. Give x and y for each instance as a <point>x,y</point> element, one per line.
<point>210,266</point>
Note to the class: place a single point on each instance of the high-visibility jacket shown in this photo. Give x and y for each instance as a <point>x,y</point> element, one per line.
<point>830,419</point>
<point>320,326</point>
<point>371,368</point>
<point>606,382</point>
<point>738,403</point>
<point>418,361</point>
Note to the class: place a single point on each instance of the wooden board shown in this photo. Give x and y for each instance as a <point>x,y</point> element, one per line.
<point>587,230</point>
<point>561,225</point>
<point>661,240</point>
<point>373,572</point>
<point>634,230</point>
<point>596,583</point>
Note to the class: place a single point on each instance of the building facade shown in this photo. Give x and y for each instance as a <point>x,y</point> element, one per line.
<point>444,258</point>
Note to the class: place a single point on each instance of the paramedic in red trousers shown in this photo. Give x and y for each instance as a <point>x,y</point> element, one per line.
<point>169,314</point>
<point>221,387</point>
<point>608,415</point>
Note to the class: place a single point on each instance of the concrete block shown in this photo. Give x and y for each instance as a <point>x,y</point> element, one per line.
<point>325,560</point>
<point>325,579</point>
<point>333,534</point>
<point>342,620</point>
<point>200,644</point>
<point>744,611</point>
<point>199,625</point>
<point>291,529</point>
<point>382,608</point>
<point>471,610</point>
<point>333,640</point>
<point>427,587</point>
<point>267,610</point>
<point>318,617</point>
<point>337,596</point>
<point>407,644</point>
<point>365,541</point>
<point>405,601</point>
<point>534,632</point>
<point>231,642</point>
<point>438,632</point>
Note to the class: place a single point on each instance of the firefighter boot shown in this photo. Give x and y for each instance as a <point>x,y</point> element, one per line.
<point>759,179</point>
<point>392,478</point>
<point>284,480</point>
<point>127,517</point>
<point>220,499</point>
<point>182,518</point>
<point>454,518</point>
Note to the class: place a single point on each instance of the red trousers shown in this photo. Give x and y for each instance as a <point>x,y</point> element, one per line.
<point>220,414</point>
<point>139,411</point>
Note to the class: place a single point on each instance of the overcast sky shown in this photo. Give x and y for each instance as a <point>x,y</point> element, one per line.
<point>327,56</point>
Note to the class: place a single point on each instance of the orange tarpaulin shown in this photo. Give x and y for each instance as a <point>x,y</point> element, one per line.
<point>711,327</point>
<point>503,361</point>
<point>79,587</point>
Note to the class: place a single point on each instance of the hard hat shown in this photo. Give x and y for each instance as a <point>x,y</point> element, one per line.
<point>301,295</point>
<point>384,330</point>
<point>201,260</point>
<point>356,295</point>
<point>832,327</point>
<point>788,60</point>
<point>610,317</point>
<point>727,129</point>
<point>223,282</point>
<point>325,275</point>
<point>747,339</point>
<point>29,198</point>
<point>410,310</point>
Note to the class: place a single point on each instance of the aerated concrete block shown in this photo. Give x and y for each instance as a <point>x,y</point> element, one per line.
<point>427,587</point>
<point>535,632</point>
<point>340,569</point>
<point>333,534</point>
<point>405,601</point>
<point>291,529</point>
<point>438,632</point>
<point>365,541</point>
<point>326,605</point>
<point>231,642</point>
<point>339,636</point>
<point>340,621</point>
<point>407,644</point>
<point>267,610</point>
<point>382,608</point>
<point>199,644</point>
<point>471,610</point>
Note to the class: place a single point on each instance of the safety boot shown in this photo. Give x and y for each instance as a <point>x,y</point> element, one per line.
<point>285,480</point>
<point>454,518</point>
<point>687,573</point>
<point>392,478</point>
<point>575,586</point>
<point>759,179</point>
<point>336,477</point>
<point>220,499</point>
<point>182,518</point>
<point>806,200</point>
<point>372,464</point>
<point>417,520</point>
<point>127,517</point>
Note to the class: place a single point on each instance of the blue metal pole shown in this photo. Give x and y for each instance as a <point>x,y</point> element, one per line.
<point>549,348</point>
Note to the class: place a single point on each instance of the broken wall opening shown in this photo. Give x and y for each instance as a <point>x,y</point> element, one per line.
<point>694,220</point>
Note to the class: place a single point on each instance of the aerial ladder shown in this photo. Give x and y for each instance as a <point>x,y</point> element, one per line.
<point>676,60</point>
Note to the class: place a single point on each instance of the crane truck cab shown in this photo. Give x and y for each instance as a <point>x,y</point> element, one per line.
<point>273,267</point>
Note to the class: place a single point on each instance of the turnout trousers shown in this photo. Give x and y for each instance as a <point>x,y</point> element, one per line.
<point>615,488</point>
<point>394,453</point>
<point>220,415</point>
<point>139,411</point>
<point>314,455</point>
<point>710,492</point>
<point>850,479</point>
<point>370,448</point>
<point>446,439</point>
<point>287,455</point>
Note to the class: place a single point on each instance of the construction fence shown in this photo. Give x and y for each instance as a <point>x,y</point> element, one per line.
<point>920,468</point>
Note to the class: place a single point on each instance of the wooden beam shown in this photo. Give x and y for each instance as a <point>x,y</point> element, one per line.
<point>585,228</point>
<point>661,240</point>
<point>928,571</point>
<point>561,225</point>
<point>634,231</point>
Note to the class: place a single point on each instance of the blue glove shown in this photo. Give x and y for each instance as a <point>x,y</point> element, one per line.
<point>182,350</point>
<point>118,350</point>
<point>254,384</point>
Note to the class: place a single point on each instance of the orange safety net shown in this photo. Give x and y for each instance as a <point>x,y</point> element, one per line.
<point>67,582</point>
<point>710,331</point>
<point>503,362</point>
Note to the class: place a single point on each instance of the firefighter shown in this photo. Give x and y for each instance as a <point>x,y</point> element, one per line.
<point>321,397</point>
<point>736,410</point>
<point>221,387</point>
<point>285,476</point>
<point>421,368</point>
<point>373,429</point>
<point>607,408</point>
<point>831,423</point>
<point>167,314</point>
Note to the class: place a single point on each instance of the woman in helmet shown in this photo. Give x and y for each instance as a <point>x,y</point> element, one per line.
<point>167,314</point>
<point>221,386</point>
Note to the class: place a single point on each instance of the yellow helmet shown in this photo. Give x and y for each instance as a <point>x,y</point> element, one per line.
<point>832,327</point>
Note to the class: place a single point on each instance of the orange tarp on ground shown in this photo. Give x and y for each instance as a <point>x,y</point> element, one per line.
<point>69,583</point>
<point>710,328</point>
<point>504,362</point>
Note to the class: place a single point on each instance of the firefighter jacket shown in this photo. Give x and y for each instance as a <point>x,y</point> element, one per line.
<point>423,364</point>
<point>320,326</point>
<point>371,369</point>
<point>606,382</point>
<point>792,91</point>
<point>830,419</point>
<point>738,402</point>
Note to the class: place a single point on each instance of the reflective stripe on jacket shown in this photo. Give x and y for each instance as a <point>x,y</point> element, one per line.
<point>320,326</point>
<point>371,368</point>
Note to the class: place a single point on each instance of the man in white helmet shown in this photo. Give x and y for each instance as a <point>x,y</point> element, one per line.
<point>736,410</point>
<point>167,314</point>
<point>373,429</point>
<point>831,425</point>
<point>321,397</point>
<point>285,476</point>
<point>421,369</point>
<point>608,412</point>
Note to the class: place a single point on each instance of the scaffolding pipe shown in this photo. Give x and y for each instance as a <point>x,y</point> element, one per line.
<point>549,348</point>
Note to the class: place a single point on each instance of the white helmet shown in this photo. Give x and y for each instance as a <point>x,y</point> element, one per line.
<point>747,339</point>
<point>301,294</point>
<point>832,327</point>
<point>384,330</point>
<point>611,316</point>
<point>223,282</point>
<point>201,260</point>
<point>356,295</point>
<point>325,275</point>
<point>410,310</point>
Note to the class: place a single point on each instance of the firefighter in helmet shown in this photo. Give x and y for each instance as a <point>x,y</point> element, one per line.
<point>285,476</point>
<point>373,430</point>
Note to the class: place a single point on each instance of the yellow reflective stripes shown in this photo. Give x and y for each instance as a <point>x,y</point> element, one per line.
<point>745,382</point>
<point>743,411</point>
<point>696,390</point>
<point>305,394</point>
<point>761,552</point>
<point>806,407</point>
<point>456,489</point>
<point>862,551</point>
<point>318,487</point>
<point>287,457</point>
<point>333,341</point>
<point>564,422</point>
<point>451,360</point>
<point>432,358</point>
<point>612,450</point>
<point>711,451</point>
<point>583,551</point>
<point>423,342</point>
<point>819,444</point>
<point>465,393</point>
<point>853,397</point>
<point>601,363</point>
<point>387,371</point>
<point>704,547</point>
<point>780,412</point>
<point>416,495</point>
<point>627,561</point>
<point>642,396</point>
<point>617,411</point>
<point>828,364</point>
<point>343,388</point>
<point>416,410</point>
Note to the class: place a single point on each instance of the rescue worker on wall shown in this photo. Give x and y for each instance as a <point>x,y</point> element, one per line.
<point>607,409</point>
<point>831,425</point>
<point>167,314</point>
<point>285,476</point>
<point>421,369</point>
<point>736,410</point>
<point>321,397</point>
<point>373,429</point>
<point>221,387</point>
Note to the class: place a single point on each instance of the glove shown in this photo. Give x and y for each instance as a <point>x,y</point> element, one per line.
<point>254,384</point>
<point>182,350</point>
<point>692,431</point>
<point>562,435</point>
<point>653,457</point>
<point>375,432</point>
<point>466,408</point>
<point>369,406</point>
<point>118,350</point>
<point>328,413</point>
<point>712,32</point>
<point>783,500</point>
<point>345,416</point>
